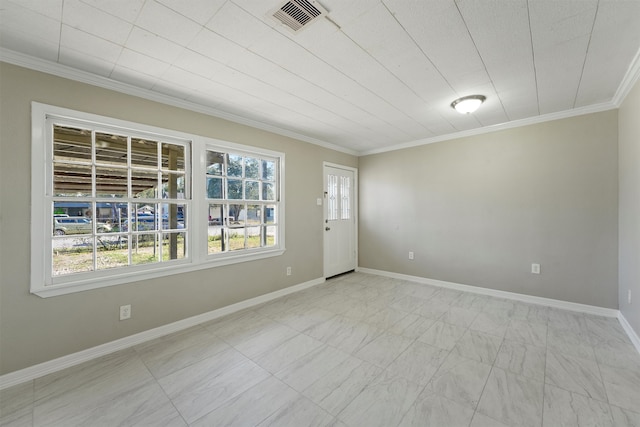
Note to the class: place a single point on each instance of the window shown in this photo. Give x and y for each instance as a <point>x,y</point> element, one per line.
<point>118,202</point>
<point>129,192</point>
<point>241,191</point>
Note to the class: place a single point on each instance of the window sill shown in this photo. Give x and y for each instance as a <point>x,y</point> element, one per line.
<point>130,277</point>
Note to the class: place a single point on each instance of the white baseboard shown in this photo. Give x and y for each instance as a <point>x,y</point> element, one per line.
<point>564,305</point>
<point>55,365</point>
<point>633,336</point>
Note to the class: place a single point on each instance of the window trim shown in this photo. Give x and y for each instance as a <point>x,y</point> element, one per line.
<point>44,284</point>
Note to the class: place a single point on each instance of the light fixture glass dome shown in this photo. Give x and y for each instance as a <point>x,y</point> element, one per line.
<point>468,104</point>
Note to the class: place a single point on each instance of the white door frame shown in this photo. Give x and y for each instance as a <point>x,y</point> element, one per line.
<point>355,211</point>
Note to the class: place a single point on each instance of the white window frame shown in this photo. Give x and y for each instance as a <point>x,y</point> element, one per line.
<point>44,284</point>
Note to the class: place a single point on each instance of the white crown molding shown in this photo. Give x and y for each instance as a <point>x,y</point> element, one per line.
<point>49,67</point>
<point>630,78</point>
<point>495,128</point>
<point>37,371</point>
<point>548,302</point>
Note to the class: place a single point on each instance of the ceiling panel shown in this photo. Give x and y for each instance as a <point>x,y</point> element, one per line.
<point>440,31</point>
<point>164,22</point>
<point>123,9</point>
<point>150,44</point>
<point>371,75</point>
<point>508,57</point>
<point>94,21</point>
<point>142,63</point>
<point>200,11</point>
<point>560,35</point>
<point>615,39</point>
<point>89,44</point>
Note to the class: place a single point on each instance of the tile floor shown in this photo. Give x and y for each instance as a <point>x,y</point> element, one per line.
<point>359,350</point>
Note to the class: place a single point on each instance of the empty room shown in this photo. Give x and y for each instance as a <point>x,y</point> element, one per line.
<point>320,213</point>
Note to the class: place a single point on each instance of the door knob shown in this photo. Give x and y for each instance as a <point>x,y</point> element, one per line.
<point>327,228</point>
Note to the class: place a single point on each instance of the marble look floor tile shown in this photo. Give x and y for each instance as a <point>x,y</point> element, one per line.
<point>567,321</point>
<point>432,309</point>
<point>382,403</point>
<point>624,417</point>
<point>618,355</point>
<point>622,386</point>
<point>334,302</point>
<point>145,404</point>
<point>17,419</point>
<point>277,358</point>
<point>277,306</point>
<point>570,343</point>
<point>431,410</point>
<point>527,332</point>
<point>298,412</point>
<point>250,407</point>
<point>574,374</point>
<point>442,335</point>
<point>530,313</point>
<point>418,290</point>
<point>470,301</point>
<point>459,316</point>
<point>204,386</point>
<point>344,333</point>
<point>168,354</point>
<point>116,372</point>
<point>337,423</point>
<point>605,330</point>
<point>407,303</point>
<point>236,323</point>
<point>311,367</point>
<point>512,399</point>
<point>384,349</point>
<point>499,306</point>
<point>385,318</point>
<point>336,389</point>
<point>522,359</point>
<point>418,362</point>
<point>564,408</point>
<point>268,338</point>
<point>460,379</point>
<point>445,296</point>
<point>16,405</point>
<point>479,346</point>
<point>412,326</point>
<point>490,323</point>
<point>303,317</point>
<point>481,420</point>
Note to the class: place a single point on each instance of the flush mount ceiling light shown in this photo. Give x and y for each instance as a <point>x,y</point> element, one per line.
<point>468,104</point>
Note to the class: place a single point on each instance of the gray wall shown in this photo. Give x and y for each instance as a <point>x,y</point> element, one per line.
<point>480,210</point>
<point>629,231</point>
<point>33,329</point>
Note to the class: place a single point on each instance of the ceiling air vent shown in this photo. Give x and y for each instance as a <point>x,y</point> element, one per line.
<point>296,15</point>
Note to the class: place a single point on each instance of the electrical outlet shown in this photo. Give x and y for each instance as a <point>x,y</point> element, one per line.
<point>410,255</point>
<point>125,312</point>
<point>288,271</point>
<point>628,296</point>
<point>535,268</point>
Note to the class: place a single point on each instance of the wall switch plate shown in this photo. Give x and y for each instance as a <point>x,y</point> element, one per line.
<point>319,201</point>
<point>535,268</point>
<point>288,271</point>
<point>125,312</point>
<point>410,255</point>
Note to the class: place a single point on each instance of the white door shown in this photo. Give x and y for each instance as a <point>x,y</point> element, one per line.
<point>339,219</point>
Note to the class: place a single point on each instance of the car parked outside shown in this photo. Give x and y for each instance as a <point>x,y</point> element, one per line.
<point>77,225</point>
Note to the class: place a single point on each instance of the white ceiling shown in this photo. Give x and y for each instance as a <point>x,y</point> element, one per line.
<point>375,74</point>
